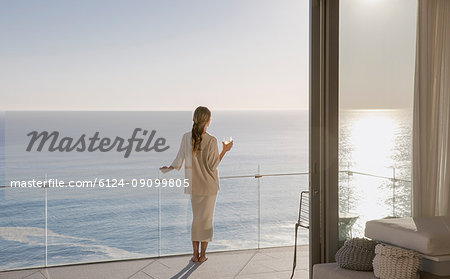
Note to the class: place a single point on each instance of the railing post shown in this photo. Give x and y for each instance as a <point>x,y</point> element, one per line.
<point>159,216</point>
<point>259,205</point>
<point>348,187</point>
<point>46,222</point>
<point>393,192</point>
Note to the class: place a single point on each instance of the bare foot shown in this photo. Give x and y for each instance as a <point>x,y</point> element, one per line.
<point>202,259</point>
<point>195,257</point>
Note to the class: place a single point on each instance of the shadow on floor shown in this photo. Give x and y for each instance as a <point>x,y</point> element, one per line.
<point>186,271</point>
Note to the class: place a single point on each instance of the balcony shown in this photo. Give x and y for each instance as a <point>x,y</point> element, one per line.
<point>47,227</point>
<point>68,239</point>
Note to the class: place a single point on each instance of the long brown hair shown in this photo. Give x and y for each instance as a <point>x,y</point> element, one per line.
<point>201,118</point>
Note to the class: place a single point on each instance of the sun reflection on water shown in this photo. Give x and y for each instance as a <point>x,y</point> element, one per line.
<point>376,142</point>
<point>373,141</point>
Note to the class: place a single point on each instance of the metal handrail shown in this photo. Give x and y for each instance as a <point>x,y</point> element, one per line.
<point>377,176</point>
<point>263,175</point>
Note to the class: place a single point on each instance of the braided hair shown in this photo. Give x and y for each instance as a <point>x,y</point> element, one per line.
<point>201,118</point>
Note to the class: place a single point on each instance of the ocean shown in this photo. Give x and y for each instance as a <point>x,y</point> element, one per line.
<point>106,223</point>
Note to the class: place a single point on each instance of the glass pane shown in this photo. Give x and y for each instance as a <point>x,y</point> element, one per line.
<point>176,218</point>
<point>97,224</point>
<point>236,216</point>
<point>22,227</point>
<point>280,201</point>
<point>377,56</point>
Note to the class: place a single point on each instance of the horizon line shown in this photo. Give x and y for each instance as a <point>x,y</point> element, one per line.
<point>185,109</point>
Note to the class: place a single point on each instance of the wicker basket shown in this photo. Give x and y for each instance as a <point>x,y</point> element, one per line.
<point>357,254</point>
<point>395,263</point>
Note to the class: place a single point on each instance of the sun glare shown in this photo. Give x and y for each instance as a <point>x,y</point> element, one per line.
<point>373,139</point>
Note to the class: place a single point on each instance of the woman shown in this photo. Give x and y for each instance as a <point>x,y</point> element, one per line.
<point>200,153</point>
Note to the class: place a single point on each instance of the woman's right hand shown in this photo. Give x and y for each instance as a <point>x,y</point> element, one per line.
<point>166,169</point>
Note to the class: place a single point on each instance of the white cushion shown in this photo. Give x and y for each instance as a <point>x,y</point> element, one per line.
<point>427,235</point>
<point>333,271</point>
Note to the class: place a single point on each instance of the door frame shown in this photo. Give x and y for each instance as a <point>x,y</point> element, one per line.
<point>323,130</point>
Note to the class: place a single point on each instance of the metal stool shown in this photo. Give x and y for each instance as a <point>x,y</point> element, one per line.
<point>303,221</point>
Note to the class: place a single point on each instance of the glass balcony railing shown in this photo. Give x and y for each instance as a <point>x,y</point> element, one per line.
<point>54,226</point>
<point>364,196</point>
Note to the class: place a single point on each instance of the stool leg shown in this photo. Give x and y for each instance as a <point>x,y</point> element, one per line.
<point>295,252</point>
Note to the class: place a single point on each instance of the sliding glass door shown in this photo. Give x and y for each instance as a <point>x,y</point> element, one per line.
<point>376,76</point>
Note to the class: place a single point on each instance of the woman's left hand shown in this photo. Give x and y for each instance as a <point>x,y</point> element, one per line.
<point>227,147</point>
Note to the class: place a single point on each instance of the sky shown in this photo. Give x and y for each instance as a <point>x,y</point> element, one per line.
<point>377,53</point>
<point>176,55</point>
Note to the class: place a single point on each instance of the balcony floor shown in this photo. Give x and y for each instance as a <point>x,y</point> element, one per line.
<point>263,263</point>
